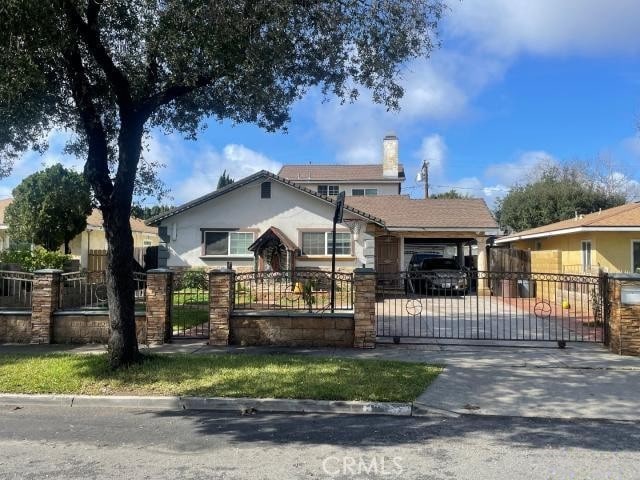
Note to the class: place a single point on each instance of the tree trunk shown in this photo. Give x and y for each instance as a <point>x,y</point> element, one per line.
<point>123,342</point>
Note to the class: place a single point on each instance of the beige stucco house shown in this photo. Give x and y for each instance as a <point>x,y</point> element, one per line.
<point>92,238</point>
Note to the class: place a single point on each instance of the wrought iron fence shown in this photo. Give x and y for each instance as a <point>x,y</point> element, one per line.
<point>510,306</point>
<point>88,290</point>
<point>301,290</point>
<point>15,290</point>
<point>190,306</point>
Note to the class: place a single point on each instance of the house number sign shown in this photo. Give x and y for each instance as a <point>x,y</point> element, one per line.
<point>630,295</point>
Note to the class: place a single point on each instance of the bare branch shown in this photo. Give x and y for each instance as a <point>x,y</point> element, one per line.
<point>90,35</point>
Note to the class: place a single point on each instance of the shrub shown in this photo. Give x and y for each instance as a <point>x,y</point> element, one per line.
<point>196,278</point>
<point>36,259</point>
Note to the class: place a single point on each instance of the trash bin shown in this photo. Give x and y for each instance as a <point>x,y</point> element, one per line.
<point>526,289</point>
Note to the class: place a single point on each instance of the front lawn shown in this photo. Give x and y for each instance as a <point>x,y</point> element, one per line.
<point>220,375</point>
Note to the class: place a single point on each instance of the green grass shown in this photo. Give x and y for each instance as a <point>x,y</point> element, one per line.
<point>222,375</point>
<point>186,317</point>
<point>190,308</point>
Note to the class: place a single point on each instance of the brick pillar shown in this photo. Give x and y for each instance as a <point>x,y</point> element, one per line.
<point>623,326</point>
<point>159,291</point>
<point>364,308</point>
<point>221,283</point>
<point>45,299</point>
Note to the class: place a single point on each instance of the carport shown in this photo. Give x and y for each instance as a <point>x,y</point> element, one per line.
<point>456,228</point>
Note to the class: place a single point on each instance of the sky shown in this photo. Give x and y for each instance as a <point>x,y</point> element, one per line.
<point>514,82</point>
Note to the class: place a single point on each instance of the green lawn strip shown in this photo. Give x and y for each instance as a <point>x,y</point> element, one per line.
<point>220,375</point>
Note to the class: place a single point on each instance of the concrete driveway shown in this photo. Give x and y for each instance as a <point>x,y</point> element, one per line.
<point>483,317</point>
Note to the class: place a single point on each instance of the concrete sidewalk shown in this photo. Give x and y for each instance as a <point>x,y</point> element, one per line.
<point>581,381</point>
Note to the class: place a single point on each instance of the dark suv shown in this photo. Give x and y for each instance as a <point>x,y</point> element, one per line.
<point>437,274</point>
<point>417,258</point>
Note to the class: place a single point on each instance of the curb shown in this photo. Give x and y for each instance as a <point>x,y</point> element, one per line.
<point>243,405</point>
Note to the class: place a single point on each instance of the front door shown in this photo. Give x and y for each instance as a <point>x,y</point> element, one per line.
<point>387,255</point>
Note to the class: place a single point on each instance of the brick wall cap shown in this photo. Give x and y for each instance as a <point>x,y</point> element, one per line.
<point>221,271</point>
<point>625,276</point>
<point>159,271</point>
<point>47,271</point>
<point>364,271</point>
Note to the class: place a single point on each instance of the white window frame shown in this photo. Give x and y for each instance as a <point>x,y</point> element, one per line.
<point>364,192</point>
<point>327,248</point>
<point>329,188</point>
<point>633,241</point>
<point>229,233</point>
<point>586,267</point>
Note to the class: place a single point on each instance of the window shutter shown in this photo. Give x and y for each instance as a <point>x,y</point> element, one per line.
<point>265,190</point>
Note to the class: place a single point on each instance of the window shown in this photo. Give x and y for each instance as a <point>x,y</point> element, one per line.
<point>362,192</point>
<point>227,243</point>
<point>320,243</point>
<point>329,190</point>
<point>343,243</point>
<point>146,243</point>
<point>635,256</point>
<point>265,190</point>
<point>586,255</point>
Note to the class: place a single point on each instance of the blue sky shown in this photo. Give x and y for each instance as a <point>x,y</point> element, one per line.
<point>515,82</point>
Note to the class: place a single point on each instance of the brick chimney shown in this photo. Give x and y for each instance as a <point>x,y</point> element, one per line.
<point>390,156</point>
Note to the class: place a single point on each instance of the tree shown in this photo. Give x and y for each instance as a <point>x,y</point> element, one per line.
<point>49,208</point>
<point>110,71</point>
<point>452,194</point>
<point>559,193</point>
<point>224,180</point>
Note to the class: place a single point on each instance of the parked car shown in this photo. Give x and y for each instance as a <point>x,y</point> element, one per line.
<point>417,258</point>
<point>438,274</point>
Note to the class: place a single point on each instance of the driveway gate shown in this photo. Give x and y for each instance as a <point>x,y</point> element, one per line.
<point>499,306</point>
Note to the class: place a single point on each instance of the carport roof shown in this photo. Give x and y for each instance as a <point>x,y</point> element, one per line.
<point>402,212</point>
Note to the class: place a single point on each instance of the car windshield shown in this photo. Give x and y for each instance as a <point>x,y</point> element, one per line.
<point>440,264</point>
<point>419,257</point>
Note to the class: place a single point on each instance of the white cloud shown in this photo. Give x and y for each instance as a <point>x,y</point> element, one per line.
<point>434,150</point>
<point>521,169</point>
<point>632,145</point>
<point>547,27</point>
<point>208,164</point>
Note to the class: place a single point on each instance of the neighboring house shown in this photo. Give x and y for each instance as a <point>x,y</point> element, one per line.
<point>269,221</point>
<point>93,237</point>
<point>355,180</point>
<point>608,240</point>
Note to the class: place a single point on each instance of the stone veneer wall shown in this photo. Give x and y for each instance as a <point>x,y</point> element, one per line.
<point>296,330</point>
<point>15,327</point>
<point>624,320</point>
<point>90,327</point>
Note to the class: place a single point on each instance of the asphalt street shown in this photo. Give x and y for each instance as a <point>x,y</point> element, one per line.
<point>70,443</point>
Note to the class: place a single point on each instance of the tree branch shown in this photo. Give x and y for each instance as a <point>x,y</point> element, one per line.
<point>90,35</point>
<point>96,167</point>
<point>172,92</point>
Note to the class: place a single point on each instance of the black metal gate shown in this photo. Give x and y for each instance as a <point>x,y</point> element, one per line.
<point>190,307</point>
<point>498,306</point>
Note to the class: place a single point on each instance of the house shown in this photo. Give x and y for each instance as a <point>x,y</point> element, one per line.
<point>607,239</point>
<point>284,221</point>
<point>92,240</point>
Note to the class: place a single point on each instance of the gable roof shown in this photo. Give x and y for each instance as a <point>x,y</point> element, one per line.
<point>246,181</point>
<point>338,173</point>
<point>624,217</point>
<point>402,212</point>
<point>94,220</point>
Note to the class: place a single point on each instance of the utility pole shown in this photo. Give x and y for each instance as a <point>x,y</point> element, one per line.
<point>423,176</point>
